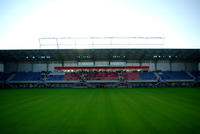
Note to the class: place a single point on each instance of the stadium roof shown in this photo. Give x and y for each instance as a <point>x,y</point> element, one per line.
<point>99,54</point>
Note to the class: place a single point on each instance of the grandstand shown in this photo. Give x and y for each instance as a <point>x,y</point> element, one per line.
<point>99,68</point>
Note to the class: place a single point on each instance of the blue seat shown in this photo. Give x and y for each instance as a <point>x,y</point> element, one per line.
<point>27,76</point>
<point>147,76</point>
<point>177,75</point>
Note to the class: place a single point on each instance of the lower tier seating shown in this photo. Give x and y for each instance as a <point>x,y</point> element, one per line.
<point>72,76</point>
<point>87,76</point>
<point>178,75</point>
<point>4,76</point>
<point>27,76</point>
<point>55,78</point>
<point>102,76</point>
<point>147,76</point>
<point>196,74</point>
<point>131,76</point>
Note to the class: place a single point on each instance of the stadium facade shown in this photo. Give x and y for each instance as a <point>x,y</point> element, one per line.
<point>92,68</point>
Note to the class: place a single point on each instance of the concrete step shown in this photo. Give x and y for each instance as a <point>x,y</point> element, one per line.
<point>13,75</point>
<point>157,76</point>
<point>188,73</point>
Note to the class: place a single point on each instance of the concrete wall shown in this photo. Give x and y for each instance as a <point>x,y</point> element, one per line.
<point>101,63</point>
<point>151,65</point>
<point>25,67</point>
<point>133,63</point>
<point>163,65</point>
<point>70,63</point>
<point>178,66</point>
<point>191,66</point>
<point>52,65</point>
<point>85,64</point>
<point>1,67</point>
<point>38,67</point>
<point>10,67</point>
<point>118,63</point>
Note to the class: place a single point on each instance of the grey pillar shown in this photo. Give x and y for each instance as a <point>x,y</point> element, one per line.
<point>47,66</point>
<point>62,62</point>
<point>170,65</point>
<point>156,65</point>
<point>32,66</point>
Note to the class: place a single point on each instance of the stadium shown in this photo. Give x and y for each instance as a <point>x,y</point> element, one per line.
<point>95,68</point>
<point>98,84</point>
<point>99,90</point>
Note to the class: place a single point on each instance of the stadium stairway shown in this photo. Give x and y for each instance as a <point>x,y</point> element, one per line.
<point>121,78</point>
<point>11,76</point>
<point>188,73</point>
<point>157,76</point>
<point>196,74</point>
<point>5,76</point>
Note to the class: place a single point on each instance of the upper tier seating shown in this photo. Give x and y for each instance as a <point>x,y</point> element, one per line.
<point>178,75</point>
<point>131,76</point>
<point>26,76</point>
<point>147,76</point>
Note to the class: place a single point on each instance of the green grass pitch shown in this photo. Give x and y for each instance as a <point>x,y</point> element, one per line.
<point>100,111</point>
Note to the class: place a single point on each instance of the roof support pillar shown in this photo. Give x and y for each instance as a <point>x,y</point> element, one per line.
<point>140,63</point>
<point>31,66</point>
<point>47,66</point>
<point>17,66</point>
<point>170,65</point>
<point>62,62</point>
<point>199,66</point>
<point>156,65</point>
<point>185,66</point>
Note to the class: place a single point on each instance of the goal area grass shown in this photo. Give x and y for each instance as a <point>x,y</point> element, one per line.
<point>100,111</point>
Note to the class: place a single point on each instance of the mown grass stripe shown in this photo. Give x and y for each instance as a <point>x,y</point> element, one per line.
<point>97,111</point>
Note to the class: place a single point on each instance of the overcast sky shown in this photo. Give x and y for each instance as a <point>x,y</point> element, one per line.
<point>22,22</point>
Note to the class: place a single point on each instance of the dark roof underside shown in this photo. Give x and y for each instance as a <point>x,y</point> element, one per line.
<point>192,55</point>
